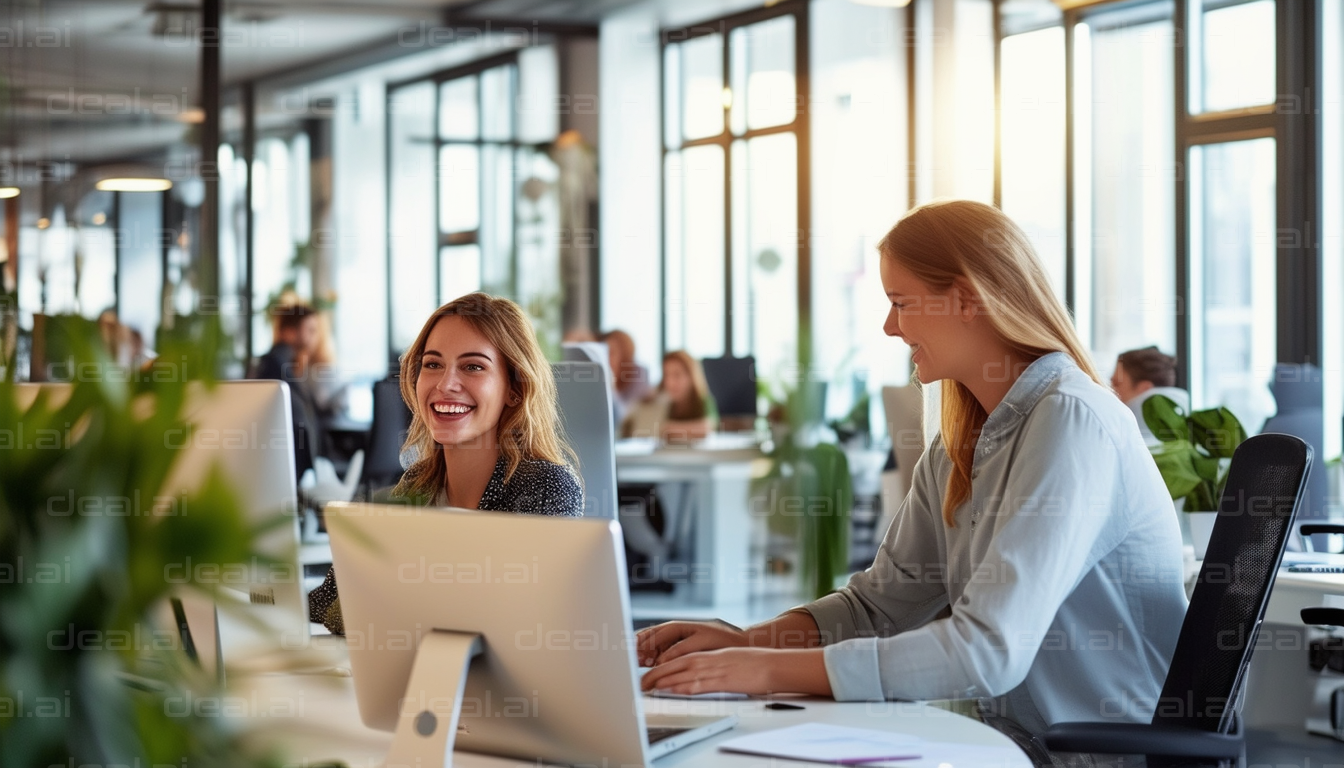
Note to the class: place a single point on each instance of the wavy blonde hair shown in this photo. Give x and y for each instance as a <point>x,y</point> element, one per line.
<point>942,241</point>
<point>529,430</point>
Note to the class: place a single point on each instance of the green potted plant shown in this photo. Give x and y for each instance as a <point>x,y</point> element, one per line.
<point>86,673</point>
<point>1193,455</point>
<point>808,490</point>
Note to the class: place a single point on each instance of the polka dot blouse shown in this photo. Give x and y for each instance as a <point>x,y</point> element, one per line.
<point>537,488</point>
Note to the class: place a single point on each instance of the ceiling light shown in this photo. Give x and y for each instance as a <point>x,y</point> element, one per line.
<point>8,192</point>
<point>191,115</point>
<point>884,3</point>
<point>134,185</point>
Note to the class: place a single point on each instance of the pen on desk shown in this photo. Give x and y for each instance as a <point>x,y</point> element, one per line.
<point>783,705</point>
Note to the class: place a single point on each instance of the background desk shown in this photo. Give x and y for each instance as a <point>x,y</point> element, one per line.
<point>1279,682</point>
<point>717,484</point>
<point>312,718</point>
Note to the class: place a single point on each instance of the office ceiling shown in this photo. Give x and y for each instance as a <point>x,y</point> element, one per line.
<point>92,80</point>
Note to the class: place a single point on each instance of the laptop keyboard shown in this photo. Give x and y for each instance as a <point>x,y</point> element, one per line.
<point>658,734</point>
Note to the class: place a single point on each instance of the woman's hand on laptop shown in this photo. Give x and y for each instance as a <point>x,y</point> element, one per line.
<point>665,642</point>
<point>755,671</point>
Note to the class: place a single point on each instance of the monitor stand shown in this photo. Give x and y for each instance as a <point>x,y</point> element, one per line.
<point>426,728</point>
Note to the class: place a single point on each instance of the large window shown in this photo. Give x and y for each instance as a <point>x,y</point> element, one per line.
<point>1232,277</point>
<point>282,229</point>
<point>731,175</point>
<point>413,291</point>
<point>140,269</point>
<point>859,188</point>
<point>1126,175</point>
<point>1231,55</point>
<point>1032,156</point>
<point>1177,187</point>
<point>474,201</point>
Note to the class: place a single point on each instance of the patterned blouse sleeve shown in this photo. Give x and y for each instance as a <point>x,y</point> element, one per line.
<point>555,490</point>
<point>324,605</point>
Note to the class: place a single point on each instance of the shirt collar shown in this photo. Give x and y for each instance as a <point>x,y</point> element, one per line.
<point>1029,388</point>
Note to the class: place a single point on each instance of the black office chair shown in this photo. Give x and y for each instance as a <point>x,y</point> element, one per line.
<point>387,433</point>
<point>1196,716</point>
<point>1308,530</point>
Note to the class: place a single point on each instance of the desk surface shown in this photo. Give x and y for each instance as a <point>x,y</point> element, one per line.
<point>313,718</point>
<point>715,448</point>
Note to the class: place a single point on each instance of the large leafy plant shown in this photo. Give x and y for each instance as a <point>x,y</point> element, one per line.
<point>87,675</point>
<point>1195,450</point>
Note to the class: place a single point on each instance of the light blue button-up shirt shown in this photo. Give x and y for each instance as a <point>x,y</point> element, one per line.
<point>1059,592</point>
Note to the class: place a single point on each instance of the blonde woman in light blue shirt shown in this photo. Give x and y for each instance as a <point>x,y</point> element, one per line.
<point>1036,563</point>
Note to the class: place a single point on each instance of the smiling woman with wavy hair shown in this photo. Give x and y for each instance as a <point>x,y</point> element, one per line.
<point>485,430</point>
<point>525,427</point>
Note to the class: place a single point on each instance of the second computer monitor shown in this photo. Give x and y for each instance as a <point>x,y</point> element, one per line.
<point>242,429</point>
<point>584,401</point>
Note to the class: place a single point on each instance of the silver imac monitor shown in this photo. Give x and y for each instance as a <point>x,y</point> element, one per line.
<point>244,428</point>
<point>584,398</point>
<point>500,633</point>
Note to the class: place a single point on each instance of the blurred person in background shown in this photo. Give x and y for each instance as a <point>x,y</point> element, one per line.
<point>1141,374</point>
<point>629,379</point>
<point>681,410</point>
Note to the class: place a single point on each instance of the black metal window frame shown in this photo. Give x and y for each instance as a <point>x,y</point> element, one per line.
<point>800,127</point>
<point>441,239</point>
<point>1293,121</point>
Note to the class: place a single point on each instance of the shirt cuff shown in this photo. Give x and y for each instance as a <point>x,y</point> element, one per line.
<point>853,670</point>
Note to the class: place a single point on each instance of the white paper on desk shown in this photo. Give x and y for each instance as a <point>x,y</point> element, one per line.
<point>939,754</point>
<point>822,743</point>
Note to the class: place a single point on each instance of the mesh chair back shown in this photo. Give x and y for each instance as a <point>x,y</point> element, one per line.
<point>391,420</point>
<point>1255,516</point>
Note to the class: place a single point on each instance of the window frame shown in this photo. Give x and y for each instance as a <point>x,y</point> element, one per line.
<point>1293,121</point>
<point>799,127</point>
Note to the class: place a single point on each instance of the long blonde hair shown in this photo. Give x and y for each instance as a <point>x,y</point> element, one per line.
<point>529,430</point>
<point>941,241</point>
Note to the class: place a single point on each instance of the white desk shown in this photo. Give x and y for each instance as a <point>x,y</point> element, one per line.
<point>719,484</point>
<point>312,719</point>
<point>1279,682</point>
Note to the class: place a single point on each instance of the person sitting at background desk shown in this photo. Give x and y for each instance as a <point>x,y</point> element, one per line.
<point>484,425</point>
<point>681,410</point>
<point>629,380</point>
<point>1035,564</point>
<point>1142,373</point>
<point>296,335</point>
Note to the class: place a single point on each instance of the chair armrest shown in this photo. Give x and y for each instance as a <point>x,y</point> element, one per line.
<point>1323,617</point>
<point>1141,739</point>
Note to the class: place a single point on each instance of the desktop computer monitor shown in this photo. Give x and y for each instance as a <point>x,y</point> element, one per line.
<point>507,633</point>
<point>583,395</point>
<point>732,381</point>
<point>243,428</point>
